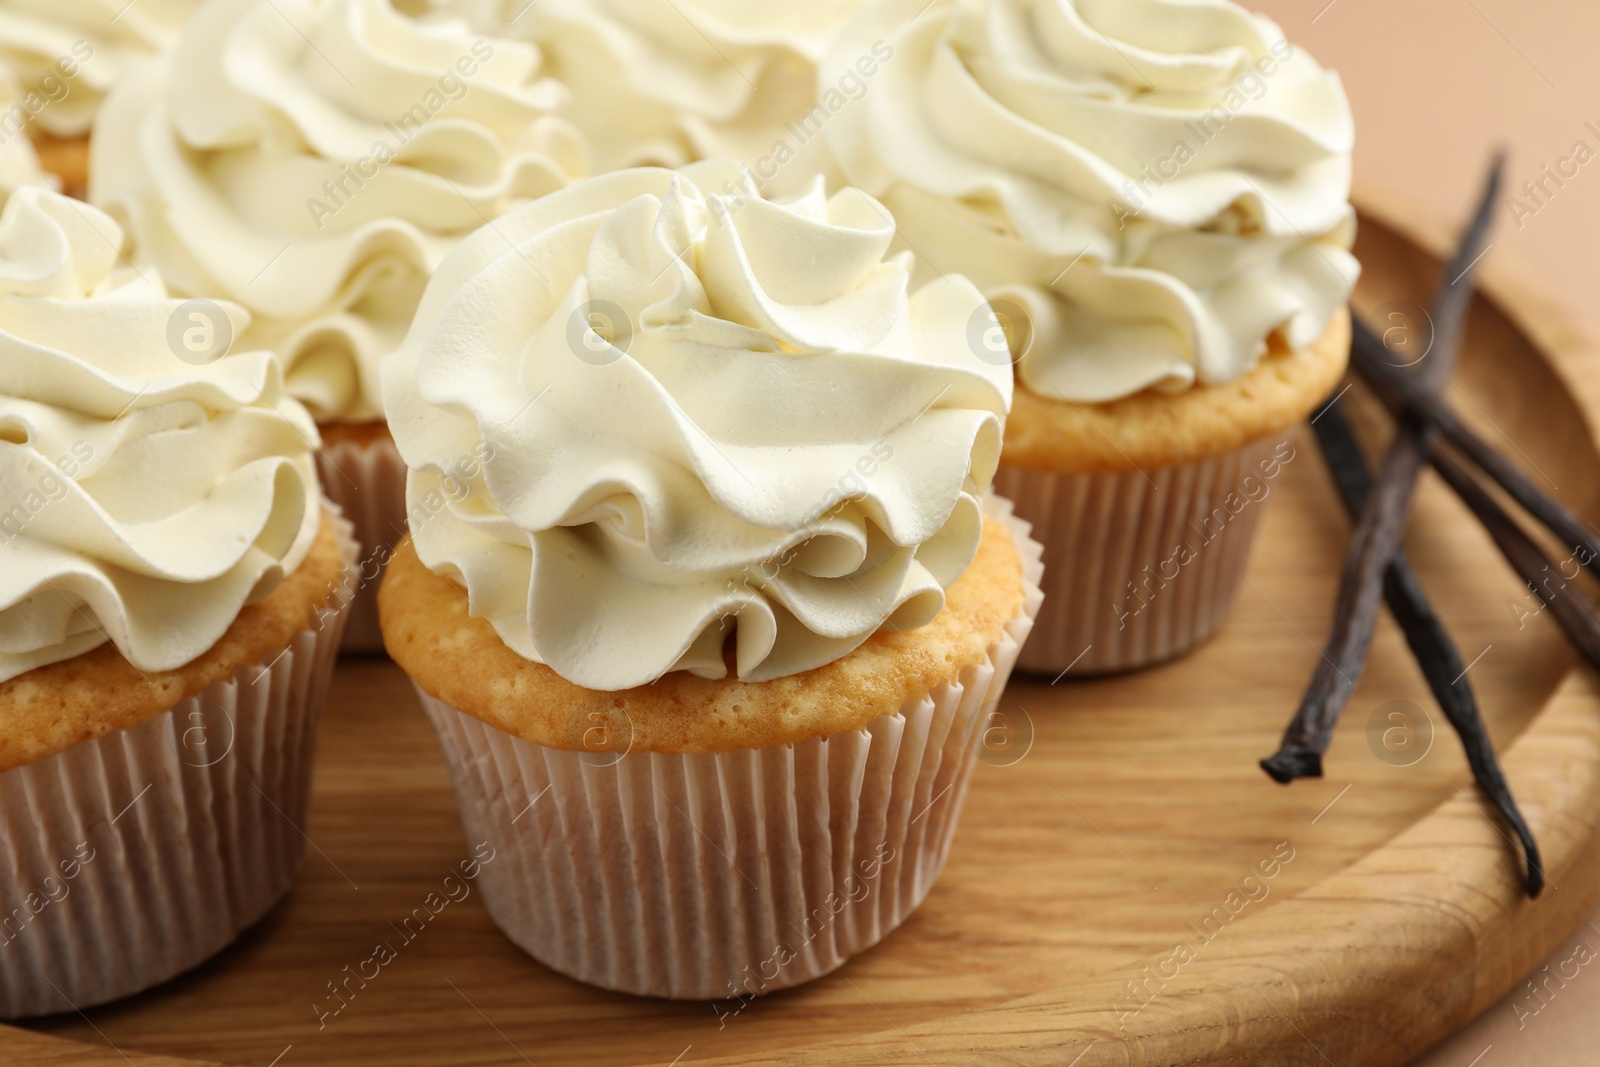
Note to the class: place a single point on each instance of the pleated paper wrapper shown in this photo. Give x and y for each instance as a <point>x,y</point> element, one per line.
<point>368,483</point>
<point>131,858</point>
<point>723,876</point>
<point>1119,593</point>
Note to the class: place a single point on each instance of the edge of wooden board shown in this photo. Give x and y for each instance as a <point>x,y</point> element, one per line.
<point>1440,891</point>
<point>1423,915</point>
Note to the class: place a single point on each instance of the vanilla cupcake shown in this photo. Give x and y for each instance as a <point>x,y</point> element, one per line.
<point>313,161</point>
<point>61,57</point>
<point>701,551</point>
<point>1155,198</point>
<point>168,622</point>
<point>667,82</point>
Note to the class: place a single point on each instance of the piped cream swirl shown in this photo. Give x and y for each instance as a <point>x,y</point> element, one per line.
<point>19,163</point>
<point>667,82</point>
<point>313,160</point>
<point>656,414</point>
<point>1160,187</point>
<point>69,52</point>
<point>146,499</point>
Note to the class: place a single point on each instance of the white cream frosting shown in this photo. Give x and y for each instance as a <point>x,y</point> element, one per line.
<point>69,52</point>
<point>314,160</point>
<point>144,498</point>
<point>655,412</point>
<point>1158,186</point>
<point>667,82</point>
<point>19,166</point>
<point>19,163</point>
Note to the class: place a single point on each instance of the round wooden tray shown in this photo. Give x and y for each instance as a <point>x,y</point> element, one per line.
<point>1104,903</point>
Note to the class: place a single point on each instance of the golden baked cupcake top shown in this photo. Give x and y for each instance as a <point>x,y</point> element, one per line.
<point>51,708</point>
<point>1151,430</point>
<point>155,482</point>
<point>657,424</point>
<point>456,657</point>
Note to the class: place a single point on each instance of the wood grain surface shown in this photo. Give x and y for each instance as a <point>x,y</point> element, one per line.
<point>1106,901</point>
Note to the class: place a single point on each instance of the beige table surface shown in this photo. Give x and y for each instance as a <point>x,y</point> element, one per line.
<point>1435,84</point>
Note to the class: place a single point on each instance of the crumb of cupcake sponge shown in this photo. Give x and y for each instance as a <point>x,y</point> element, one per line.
<point>51,708</point>
<point>1151,430</point>
<point>458,658</point>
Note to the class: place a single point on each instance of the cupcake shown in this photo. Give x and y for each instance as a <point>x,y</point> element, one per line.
<point>168,622</point>
<point>313,161</point>
<point>61,57</point>
<point>1155,198</point>
<point>704,598</point>
<point>667,82</point>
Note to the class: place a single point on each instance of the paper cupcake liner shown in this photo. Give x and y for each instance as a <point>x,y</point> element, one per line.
<point>131,858</point>
<point>723,876</point>
<point>368,483</point>
<point>1142,567</point>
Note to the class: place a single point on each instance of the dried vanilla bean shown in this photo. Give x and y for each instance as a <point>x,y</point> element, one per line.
<point>1369,356</point>
<point>1383,520</point>
<point>1576,613</point>
<point>1437,655</point>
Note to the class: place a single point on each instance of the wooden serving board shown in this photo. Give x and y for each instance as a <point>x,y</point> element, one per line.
<point>1127,886</point>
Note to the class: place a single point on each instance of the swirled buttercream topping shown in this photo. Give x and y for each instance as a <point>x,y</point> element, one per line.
<point>1159,188</point>
<point>658,423</point>
<point>313,160</point>
<point>147,498</point>
<point>65,54</point>
<point>667,82</point>
<point>19,163</point>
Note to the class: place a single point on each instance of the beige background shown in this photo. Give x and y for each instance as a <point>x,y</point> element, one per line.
<point>1435,85</point>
